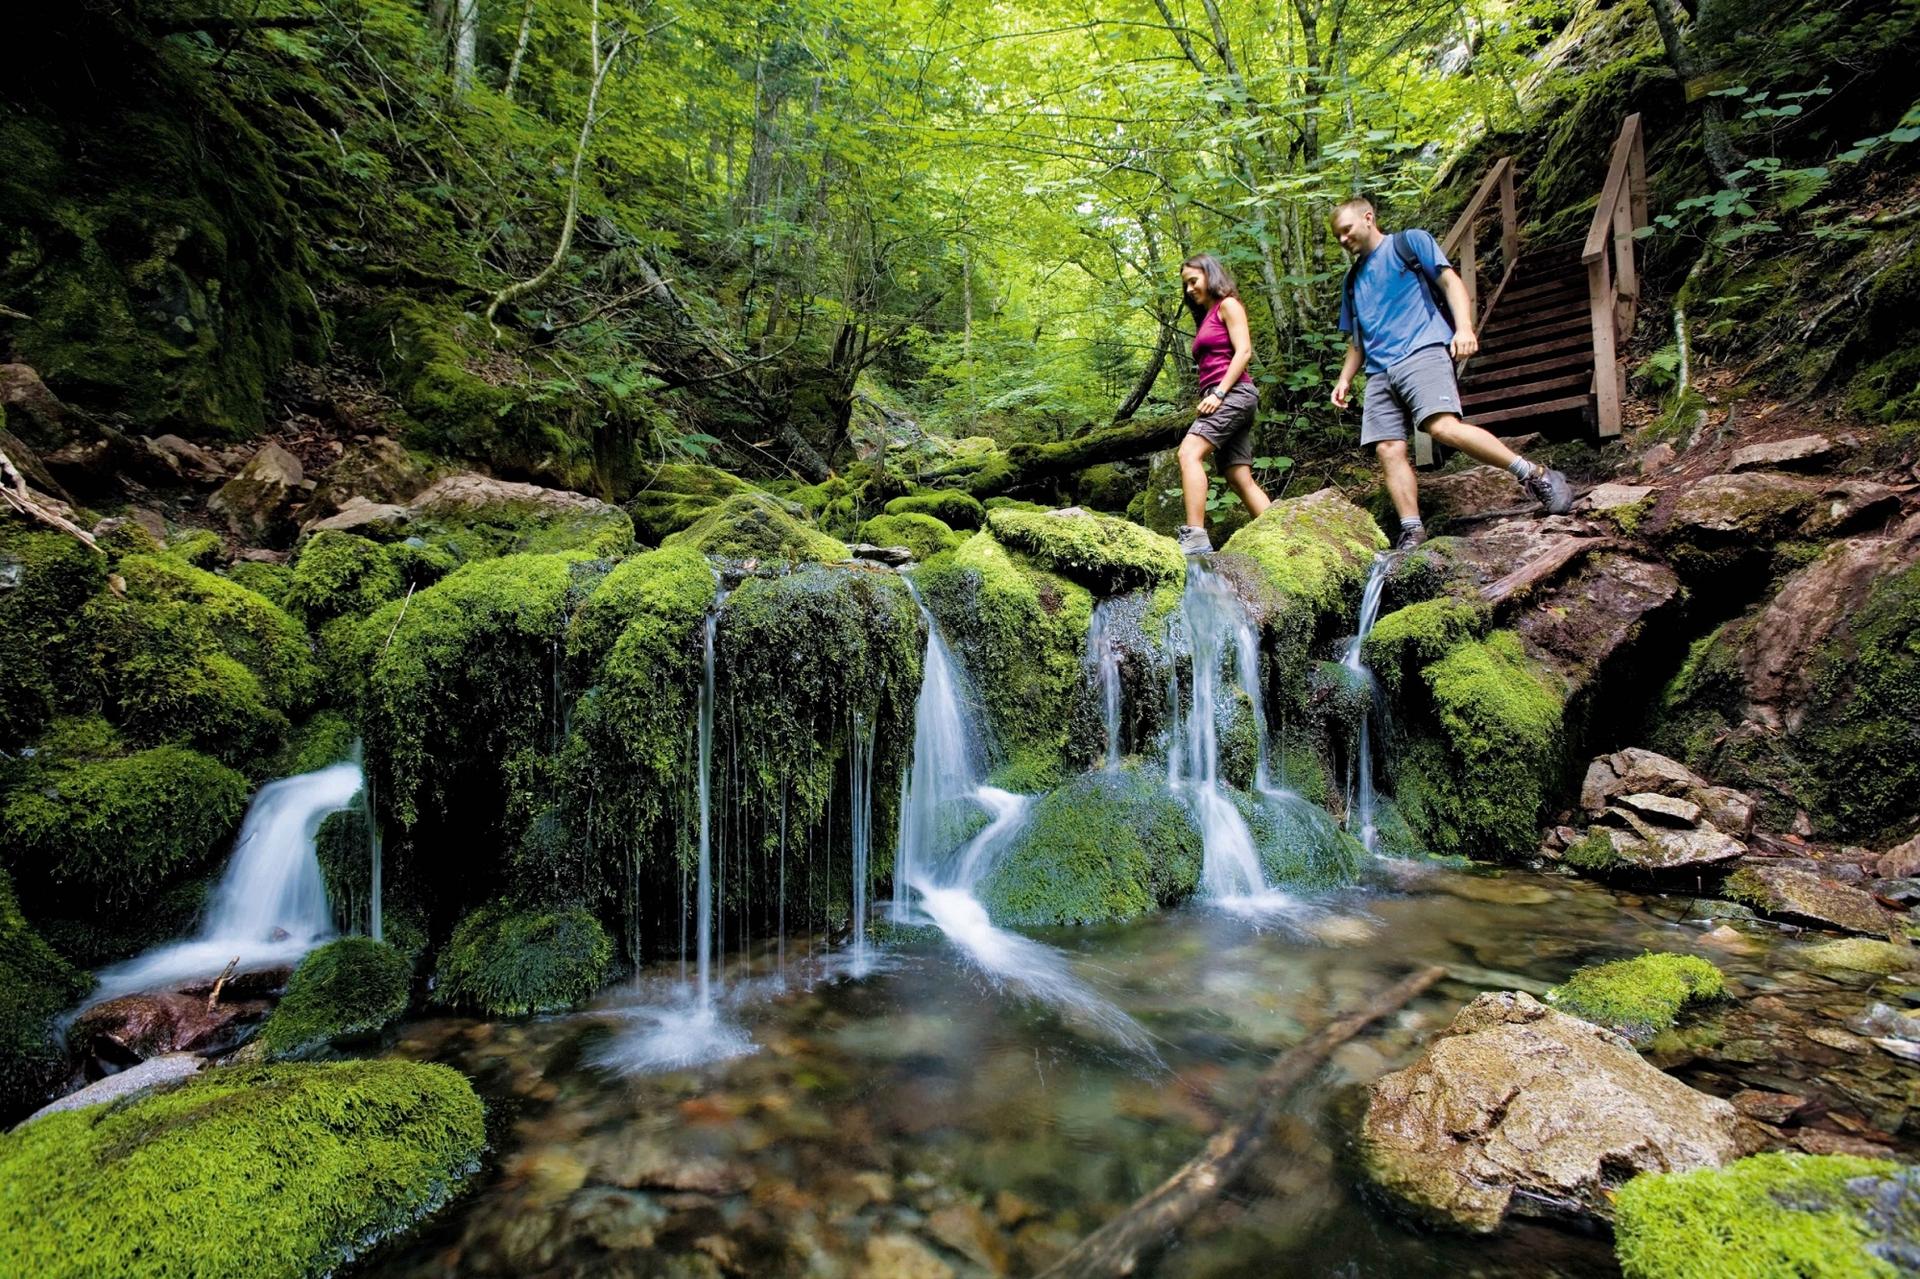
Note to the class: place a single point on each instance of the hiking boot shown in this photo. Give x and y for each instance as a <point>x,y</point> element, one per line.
<point>1194,540</point>
<point>1550,489</point>
<point>1409,538</point>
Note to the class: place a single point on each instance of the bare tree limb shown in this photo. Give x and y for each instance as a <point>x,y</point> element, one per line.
<point>15,493</point>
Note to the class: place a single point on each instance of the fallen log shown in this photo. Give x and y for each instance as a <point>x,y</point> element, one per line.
<point>1118,1247</point>
<point>1021,466</point>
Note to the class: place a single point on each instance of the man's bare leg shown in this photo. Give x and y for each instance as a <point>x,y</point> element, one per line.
<point>1401,485</point>
<point>1477,442</point>
<point>1242,481</point>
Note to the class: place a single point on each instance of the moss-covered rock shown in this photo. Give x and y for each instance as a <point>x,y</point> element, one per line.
<point>505,962</point>
<point>1862,955</point>
<point>1300,845</point>
<point>311,1165</point>
<point>951,507</point>
<point>347,989</point>
<point>1110,486</point>
<point>664,590</point>
<point>326,738</point>
<point>1478,785</point>
<point>189,655</point>
<point>1108,845</point>
<point>1638,997</point>
<point>45,579</point>
<point>924,535</point>
<point>758,526</point>
<point>105,834</point>
<point>1106,554</point>
<point>338,574</point>
<point>677,494</point>
<point>36,985</point>
<point>1020,634</point>
<point>267,580</point>
<point>476,516</point>
<point>1767,1215</point>
<point>423,350</point>
<point>1408,639</point>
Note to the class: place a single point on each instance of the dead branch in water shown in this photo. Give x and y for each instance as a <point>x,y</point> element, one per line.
<point>1118,1247</point>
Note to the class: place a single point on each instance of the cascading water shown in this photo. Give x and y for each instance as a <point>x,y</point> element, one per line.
<point>271,905</point>
<point>860,834</point>
<point>1103,656</point>
<point>1215,625</point>
<point>1363,800</point>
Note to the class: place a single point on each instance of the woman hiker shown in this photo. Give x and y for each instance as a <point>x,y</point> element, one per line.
<point>1223,423</point>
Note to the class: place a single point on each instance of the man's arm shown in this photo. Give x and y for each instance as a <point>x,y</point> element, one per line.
<point>1349,369</point>
<point>1464,342</point>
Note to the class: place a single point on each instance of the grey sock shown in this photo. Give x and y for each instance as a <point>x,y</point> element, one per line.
<point>1410,522</point>
<point>1521,469</point>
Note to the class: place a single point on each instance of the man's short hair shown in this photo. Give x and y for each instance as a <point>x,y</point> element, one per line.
<point>1354,204</point>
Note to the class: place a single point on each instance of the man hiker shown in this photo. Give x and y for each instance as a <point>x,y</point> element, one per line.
<point>1394,323</point>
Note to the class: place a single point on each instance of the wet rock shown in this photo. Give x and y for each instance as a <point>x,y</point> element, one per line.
<point>1518,1108</point>
<point>1664,808</point>
<point>155,1072</point>
<point>134,1028</point>
<point>1902,861</point>
<point>1850,505</point>
<point>891,556</point>
<point>1635,771</point>
<point>1500,892</point>
<point>1662,848</point>
<point>1807,452</point>
<point>966,1230</point>
<point>1803,897</point>
<point>258,503</point>
<point>617,1220</point>
<point>901,1256</point>
<point>1861,955</point>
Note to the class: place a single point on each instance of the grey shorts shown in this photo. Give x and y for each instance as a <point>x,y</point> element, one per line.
<point>1407,395</point>
<point>1229,428</point>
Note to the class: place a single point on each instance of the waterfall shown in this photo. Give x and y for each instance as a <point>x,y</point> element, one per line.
<point>1215,626</point>
<point>860,797</point>
<point>1363,800</point>
<point>1103,656</point>
<point>271,904</point>
<point>375,923</point>
<point>703,907</point>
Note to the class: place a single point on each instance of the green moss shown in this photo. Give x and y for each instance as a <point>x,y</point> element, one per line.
<point>310,1166</point>
<point>950,506</point>
<point>110,832</point>
<point>1020,634</point>
<point>1593,853</point>
<point>88,935</point>
<point>758,526</point>
<point>325,739</point>
<point>1237,733</point>
<point>1767,1215</point>
<point>347,989</point>
<point>1106,846</point>
<point>201,548</point>
<point>1638,997</point>
<point>339,574</point>
<point>924,535</point>
<point>187,654</point>
<point>466,678</point>
<point>1300,845</point>
<point>45,579</point>
<point>506,963</point>
<point>423,352</point>
<point>1110,486</point>
<point>269,581</point>
<point>1106,554</point>
<point>1479,786</point>
<point>674,584</point>
<point>36,985</point>
<point>1408,639</point>
<point>1862,955</point>
<point>678,494</point>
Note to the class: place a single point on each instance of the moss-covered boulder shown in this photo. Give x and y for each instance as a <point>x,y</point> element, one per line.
<point>1478,784</point>
<point>1106,846</point>
<point>476,516</point>
<point>36,985</point>
<point>45,579</point>
<point>659,591</point>
<point>1104,553</point>
<point>1406,640</point>
<point>1300,845</point>
<point>455,680</point>
<point>338,574</point>
<point>1020,634</point>
<point>426,353</point>
<point>310,1165</point>
<point>507,962</point>
<point>758,526</point>
<point>1834,1216</point>
<point>345,990</point>
<point>951,507</point>
<point>1638,997</point>
<point>924,535</point>
<point>677,494</point>
<point>189,655</point>
<point>103,835</point>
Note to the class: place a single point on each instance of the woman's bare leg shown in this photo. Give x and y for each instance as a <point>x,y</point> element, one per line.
<point>1194,450</point>
<point>1255,497</point>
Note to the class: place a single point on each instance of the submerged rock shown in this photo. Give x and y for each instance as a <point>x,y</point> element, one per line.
<point>1518,1108</point>
<point>1805,897</point>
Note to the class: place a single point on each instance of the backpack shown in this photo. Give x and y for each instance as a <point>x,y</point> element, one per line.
<point>1413,262</point>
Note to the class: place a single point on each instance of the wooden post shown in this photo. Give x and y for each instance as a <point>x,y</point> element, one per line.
<point>1637,172</point>
<point>1606,380</point>
<point>1509,220</point>
<point>1626,278</point>
<point>1470,276</point>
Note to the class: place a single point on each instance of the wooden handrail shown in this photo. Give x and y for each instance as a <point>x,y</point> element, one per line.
<point>1613,278</point>
<point>1624,148</point>
<point>1462,225</point>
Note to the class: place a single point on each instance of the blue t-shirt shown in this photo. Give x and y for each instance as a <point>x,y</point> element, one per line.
<point>1398,315</point>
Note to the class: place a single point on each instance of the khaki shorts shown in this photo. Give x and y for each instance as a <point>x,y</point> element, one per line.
<point>1408,394</point>
<point>1229,428</point>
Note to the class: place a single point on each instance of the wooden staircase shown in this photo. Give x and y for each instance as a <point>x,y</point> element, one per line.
<point>1550,330</point>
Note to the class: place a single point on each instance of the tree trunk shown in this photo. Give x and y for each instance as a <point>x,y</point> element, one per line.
<point>1722,158</point>
<point>466,37</point>
<point>519,50</point>
<point>1148,376</point>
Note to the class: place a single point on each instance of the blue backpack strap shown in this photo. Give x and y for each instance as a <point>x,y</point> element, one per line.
<point>1414,262</point>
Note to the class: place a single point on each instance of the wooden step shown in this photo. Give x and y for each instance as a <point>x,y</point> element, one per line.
<point>1569,287</point>
<point>1504,348</point>
<point>1506,321</point>
<point>1573,358</point>
<point>1539,408</point>
<point>1502,395</point>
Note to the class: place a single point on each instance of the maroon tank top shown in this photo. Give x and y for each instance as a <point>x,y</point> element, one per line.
<point>1213,351</point>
